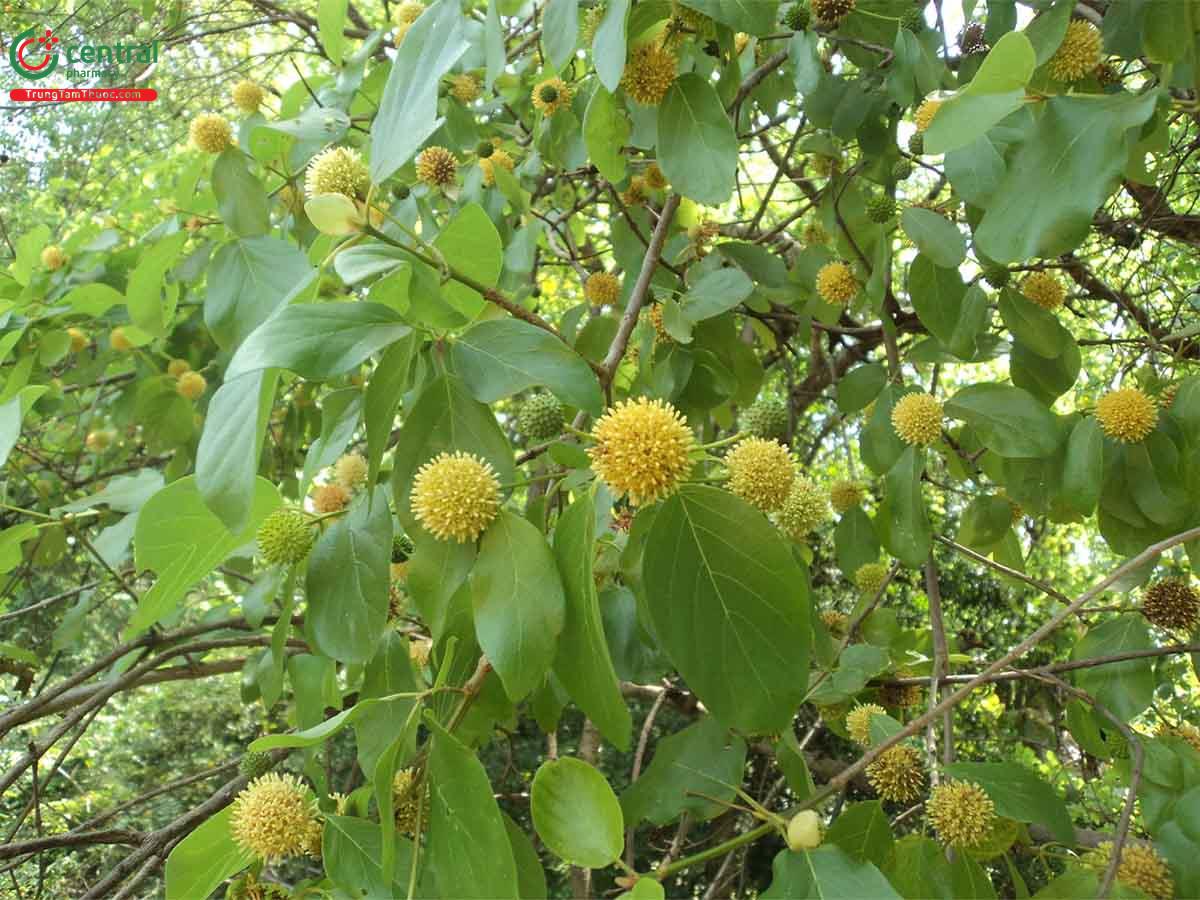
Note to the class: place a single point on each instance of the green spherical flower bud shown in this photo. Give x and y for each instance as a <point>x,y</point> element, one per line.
<point>916,144</point>
<point>767,418</point>
<point>913,20</point>
<point>284,537</point>
<point>541,417</point>
<point>402,548</point>
<point>485,149</point>
<point>401,191</point>
<point>881,207</point>
<point>254,764</point>
<point>902,169</point>
<point>798,16</point>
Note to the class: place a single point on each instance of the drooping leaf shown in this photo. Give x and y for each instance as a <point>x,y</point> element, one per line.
<point>697,146</point>
<point>576,813</point>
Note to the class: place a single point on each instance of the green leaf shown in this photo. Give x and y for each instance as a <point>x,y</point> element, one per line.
<point>1035,327</point>
<point>1008,420</point>
<point>826,872</point>
<point>751,16</point>
<point>331,19</point>
<point>858,387</point>
<point>856,541</point>
<point>468,844</point>
<point>937,296</point>
<point>531,878</point>
<point>1169,32</point>
<point>703,759</point>
<point>985,521</point>
<point>560,30</point>
<point>350,850</point>
<point>241,200</point>
<point>997,89</point>
<point>390,379</point>
<point>180,539</point>
<point>576,813</point>
<point>976,171</point>
<point>1125,688</point>
<point>734,620</point>
<point>248,280</point>
<point>230,446</point>
<point>1045,32</point>
<point>347,583</point>
<point>407,115</point>
<point>1084,465</point>
<point>902,521</point>
<point>936,237</point>
<point>319,341</point>
<point>608,46</point>
<point>697,147</point>
<point>583,663</point>
<point>519,603</point>
<point>148,309</point>
<point>806,61</point>
<point>501,357</point>
<point>606,129</point>
<point>445,418</point>
<point>204,858</point>
<point>863,832</point>
<point>1061,174</point>
<point>471,246</point>
<point>715,293</point>
<point>1019,794</point>
<point>918,868</point>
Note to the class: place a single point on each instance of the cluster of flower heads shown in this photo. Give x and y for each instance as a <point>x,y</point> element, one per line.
<point>347,475</point>
<point>1140,868</point>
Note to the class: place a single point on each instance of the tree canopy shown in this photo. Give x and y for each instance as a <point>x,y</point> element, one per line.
<point>526,448</point>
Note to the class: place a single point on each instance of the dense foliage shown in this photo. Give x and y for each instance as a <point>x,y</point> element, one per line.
<point>522,448</point>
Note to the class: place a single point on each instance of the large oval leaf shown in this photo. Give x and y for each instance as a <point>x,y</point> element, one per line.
<point>1009,421</point>
<point>203,859</point>
<point>500,357</point>
<point>576,813</point>
<point>697,147</point>
<point>730,605</point>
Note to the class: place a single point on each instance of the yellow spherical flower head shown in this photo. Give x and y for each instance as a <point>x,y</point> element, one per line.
<point>917,419</point>
<point>437,167</point>
<point>836,283</point>
<point>897,774</point>
<point>805,509</point>
<point>330,498</point>
<point>79,339</point>
<point>177,367</point>
<point>53,258</point>
<point>1126,415</point>
<point>649,74</point>
<point>410,800</point>
<point>961,813</point>
<point>835,621</point>
<point>869,577</point>
<point>655,179</point>
<point>760,472</point>
<point>119,340</point>
<point>337,170</point>
<point>464,87</point>
<point>1184,731</point>
<point>1080,52</point>
<point>814,235</point>
<point>642,449</point>
<point>350,471</point>
<point>1141,868</point>
<point>1172,604</point>
<point>635,194</point>
<point>211,133</point>
<point>408,12</point>
<point>498,158</point>
<point>858,722</point>
<point>455,496</point>
<point>1044,289</point>
<point>923,117</point>
<point>602,289</point>
<point>551,95</point>
<point>276,817</point>
<point>284,537</point>
<point>845,495</point>
<point>191,385</point>
<point>903,696</point>
<point>247,96</point>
